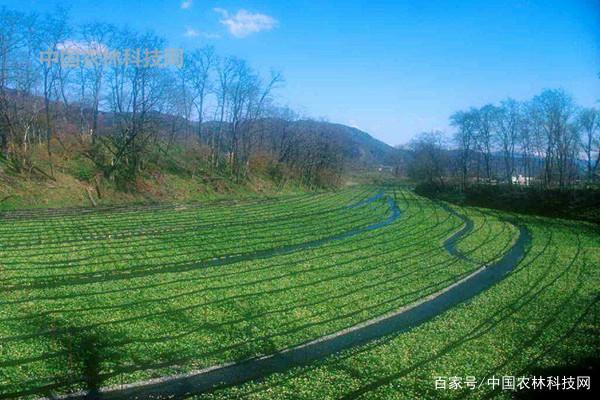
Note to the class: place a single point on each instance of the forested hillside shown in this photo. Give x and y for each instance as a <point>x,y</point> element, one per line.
<point>81,122</point>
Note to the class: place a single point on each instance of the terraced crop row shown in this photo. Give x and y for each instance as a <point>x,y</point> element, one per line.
<point>538,321</point>
<point>492,227</point>
<point>167,290</point>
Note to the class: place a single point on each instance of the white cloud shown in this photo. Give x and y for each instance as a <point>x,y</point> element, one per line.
<point>186,4</point>
<point>191,32</point>
<point>244,23</point>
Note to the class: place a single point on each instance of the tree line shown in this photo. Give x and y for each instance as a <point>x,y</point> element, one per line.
<point>549,141</point>
<point>67,88</point>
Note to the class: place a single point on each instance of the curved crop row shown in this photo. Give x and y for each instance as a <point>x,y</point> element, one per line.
<point>541,317</point>
<point>171,317</point>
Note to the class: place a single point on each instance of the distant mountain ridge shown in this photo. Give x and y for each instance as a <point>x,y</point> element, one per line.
<point>358,147</point>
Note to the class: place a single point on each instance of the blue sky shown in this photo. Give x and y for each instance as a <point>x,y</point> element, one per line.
<point>391,68</point>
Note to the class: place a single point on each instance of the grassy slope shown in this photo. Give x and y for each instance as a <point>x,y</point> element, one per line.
<point>68,191</point>
<point>75,177</point>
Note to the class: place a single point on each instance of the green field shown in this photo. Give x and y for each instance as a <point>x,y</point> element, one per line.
<point>125,294</point>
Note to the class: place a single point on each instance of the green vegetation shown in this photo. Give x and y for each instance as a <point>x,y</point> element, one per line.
<point>100,297</point>
<point>542,317</point>
<point>492,227</point>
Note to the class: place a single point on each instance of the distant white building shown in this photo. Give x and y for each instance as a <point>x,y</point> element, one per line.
<point>521,180</point>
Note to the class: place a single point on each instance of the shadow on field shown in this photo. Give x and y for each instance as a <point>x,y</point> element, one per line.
<point>256,368</point>
<point>494,320</point>
<point>80,278</point>
<point>87,346</point>
<point>83,352</point>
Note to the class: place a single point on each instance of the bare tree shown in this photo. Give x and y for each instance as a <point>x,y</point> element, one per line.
<point>589,123</point>
<point>196,75</point>
<point>12,39</point>
<point>429,159</point>
<point>258,99</point>
<point>242,87</point>
<point>281,141</point>
<point>136,91</point>
<point>226,70</point>
<point>554,110</point>
<point>96,40</point>
<point>466,124</point>
<point>49,33</point>
<point>526,139</point>
<point>485,122</point>
<point>507,122</point>
<point>19,112</point>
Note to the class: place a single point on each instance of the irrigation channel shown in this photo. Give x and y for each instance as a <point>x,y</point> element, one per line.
<point>398,321</point>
